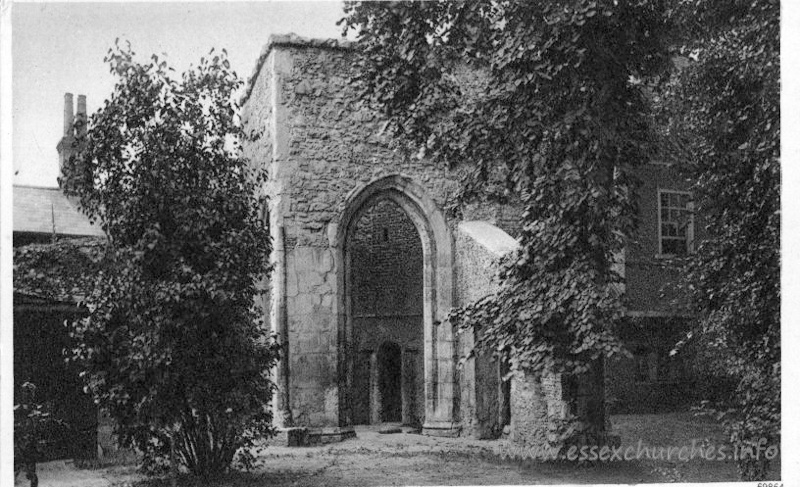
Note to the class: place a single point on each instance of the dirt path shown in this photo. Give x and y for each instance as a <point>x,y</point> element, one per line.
<point>408,459</point>
<point>61,473</point>
<point>412,459</point>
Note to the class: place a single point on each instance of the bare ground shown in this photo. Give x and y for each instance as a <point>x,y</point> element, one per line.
<point>412,459</point>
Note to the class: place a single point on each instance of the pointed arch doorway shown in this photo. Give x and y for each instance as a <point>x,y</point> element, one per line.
<point>384,252</point>
<point>419,298</point>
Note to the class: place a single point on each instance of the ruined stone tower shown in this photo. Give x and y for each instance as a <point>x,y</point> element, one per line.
<point>367,262</point>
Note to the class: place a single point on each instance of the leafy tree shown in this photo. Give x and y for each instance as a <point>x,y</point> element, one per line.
<point>722,112</point>
<point>32,423</point>
<point>540,104</point>
<point>173,347</point>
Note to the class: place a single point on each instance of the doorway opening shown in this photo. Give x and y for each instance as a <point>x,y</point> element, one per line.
<point>385,283</point>
<point>390,370</point>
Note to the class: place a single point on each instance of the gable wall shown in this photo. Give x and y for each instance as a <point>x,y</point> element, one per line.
<point>321,146</point>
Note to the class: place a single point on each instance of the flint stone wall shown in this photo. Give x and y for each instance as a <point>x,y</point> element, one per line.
<point>321,146</point>
<point>532,402</point>
<point>386,265</point>
<point>484,396</point>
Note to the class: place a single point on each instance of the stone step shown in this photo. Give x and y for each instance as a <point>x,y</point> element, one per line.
<point>302,436</point>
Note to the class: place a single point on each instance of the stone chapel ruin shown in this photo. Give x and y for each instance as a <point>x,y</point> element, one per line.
<point>368,263</point>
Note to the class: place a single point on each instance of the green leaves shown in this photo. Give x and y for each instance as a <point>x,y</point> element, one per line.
<point>531,102</point>
<point>173,336</point>
<point>31,432</point>
<point>723,109</point>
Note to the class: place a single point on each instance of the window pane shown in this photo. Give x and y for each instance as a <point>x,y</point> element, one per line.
<point>674,215</point>
<point>675,220</point>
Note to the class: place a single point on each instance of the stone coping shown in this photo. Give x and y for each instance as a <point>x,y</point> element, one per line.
<point>290,40</point>
<point>490,237</point>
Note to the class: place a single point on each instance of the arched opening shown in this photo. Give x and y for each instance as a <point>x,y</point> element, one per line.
<point>385,279</point>
<point>433,402</point>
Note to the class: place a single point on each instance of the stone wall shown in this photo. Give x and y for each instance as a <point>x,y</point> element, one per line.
<point>321,147</point>
<point>386,268</point>
<point>484,404</point>
<point>386,256</point>
<point>542,404</point>
<point>533,404</point>
<point>506,217</point>
<point>320,142</point>
<point>326,154</point>
<point>529,409</point>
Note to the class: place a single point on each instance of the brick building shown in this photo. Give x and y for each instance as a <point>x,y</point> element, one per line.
<point>653,380</point>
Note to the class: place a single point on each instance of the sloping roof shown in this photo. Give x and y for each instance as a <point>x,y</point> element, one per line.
<point>38,210</point>
<point>492,239</point>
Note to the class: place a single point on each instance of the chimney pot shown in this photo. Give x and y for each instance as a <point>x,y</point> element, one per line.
<point>68,114</point>
<point>81,115</point>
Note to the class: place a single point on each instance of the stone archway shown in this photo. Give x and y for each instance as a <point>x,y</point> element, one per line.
<point>385,268</point>
<point>437,299</point>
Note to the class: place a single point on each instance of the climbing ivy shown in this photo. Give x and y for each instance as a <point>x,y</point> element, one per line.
<point>537,104</point>
<point>722,112</point>
<point>62,271</point>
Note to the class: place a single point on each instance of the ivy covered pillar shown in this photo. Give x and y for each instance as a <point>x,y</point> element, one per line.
<point>553,409</point>
<point>536,402</point>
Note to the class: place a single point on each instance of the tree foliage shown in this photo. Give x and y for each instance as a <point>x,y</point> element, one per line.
<point>172,346</point>
<point>61,271</point>
<point>539,104</point>
<point>723,112</point>
<point>32,421</point>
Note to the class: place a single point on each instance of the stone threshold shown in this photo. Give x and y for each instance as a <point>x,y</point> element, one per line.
<point>442,429</point>
<point>303,436</point>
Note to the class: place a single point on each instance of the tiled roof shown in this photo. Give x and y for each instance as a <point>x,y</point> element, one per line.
<point>38,209</point>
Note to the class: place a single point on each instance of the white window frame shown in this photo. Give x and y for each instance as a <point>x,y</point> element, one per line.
<point>690,225</point>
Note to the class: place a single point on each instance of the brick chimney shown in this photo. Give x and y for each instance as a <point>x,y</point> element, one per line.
<point>74,127</point>
<point>68,113</point>
<point>80,116</point>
